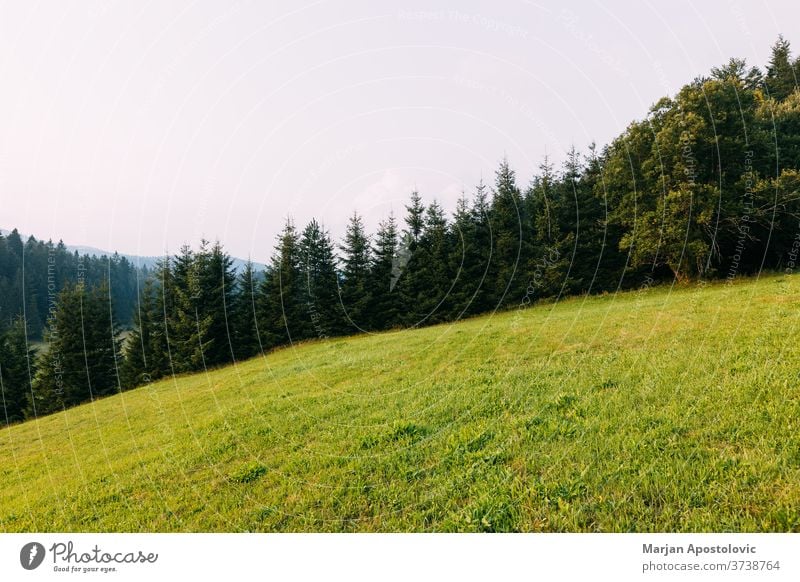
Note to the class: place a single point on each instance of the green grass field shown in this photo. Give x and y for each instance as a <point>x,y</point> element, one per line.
<point>657,410</point>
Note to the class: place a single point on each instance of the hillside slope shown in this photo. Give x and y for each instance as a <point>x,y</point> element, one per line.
<point>663,409</point>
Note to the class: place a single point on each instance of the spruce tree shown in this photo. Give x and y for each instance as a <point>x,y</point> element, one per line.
<point>355,270</point>
<point>320,282</point>
<point>243,314</point>
<point>163,312</point>
<point>510,237</point>
<point>780,79</point>
<point>479,252</point>
<point>460,236</point>
<point>281,303</point>
<point>139,359</point>
<point>407,278</point>
<point>550,208</point>
<point>17,366</point>
<point>61,381</point>
<point>82,357</point>
<point>432,270</point>
<point>217,281</point>
<point>188,327</point>
<point>415,218</point>
<point>384,300</point>
<point>599,238</point>
<point>102,344</point>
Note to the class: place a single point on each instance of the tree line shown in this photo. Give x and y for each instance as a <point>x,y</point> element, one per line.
<point>706,186</point>
<point>33,272</point>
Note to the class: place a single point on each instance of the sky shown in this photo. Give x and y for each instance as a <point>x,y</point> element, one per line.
<point>139,126</point>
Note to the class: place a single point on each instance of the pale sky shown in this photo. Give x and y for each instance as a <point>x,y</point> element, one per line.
<point>136,126</point>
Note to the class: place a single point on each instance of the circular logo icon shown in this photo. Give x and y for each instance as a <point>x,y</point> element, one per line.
<point>31,555</point>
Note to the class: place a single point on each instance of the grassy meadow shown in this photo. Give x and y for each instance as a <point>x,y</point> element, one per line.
<point>665,409</point>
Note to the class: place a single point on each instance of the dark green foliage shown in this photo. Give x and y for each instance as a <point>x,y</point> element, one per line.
<point>49,268</point>
<point>408,279</point>
<point>423,272</point>
<point>217,281</point>
<point>384,307</point>
<point>433,268</point>
<point>511,239</point>
<point>188,325</point>
<point>471,249</point>
<point>17,367</point>
<point>243,315</point>
<point>145,347</point>
<point>781,78</point>
<point>282,317</point>
<point>320,283</point>
<point>551,211</point>
<point>355,271</point>
<point>81,363</point>
<point>160,361</point>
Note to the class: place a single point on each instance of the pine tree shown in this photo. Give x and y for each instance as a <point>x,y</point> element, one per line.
<point>62,374</point>
<point>280,306</point>
<point>188,326</point>
<point>102,344</point>
<point>243,314</point>
<point>82,359</point>
<point>415,218</point>
<point>479,253</point>
<point>163,312</point>
<point>599,238</point>
<point>384,301</point>
<point>550,219</point>
<point>460,236</point>
<point>320,282</point>
<point>355,267</point>
<point>217,280</point>
<point>432,270</point>
<point>17,366</point>
<point>139,359</point>
<point>781,80</point>
<point>511,238</point>
<point>409,263</point>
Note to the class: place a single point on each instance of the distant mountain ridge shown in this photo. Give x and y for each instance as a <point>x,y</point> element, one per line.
<point>138,260</point>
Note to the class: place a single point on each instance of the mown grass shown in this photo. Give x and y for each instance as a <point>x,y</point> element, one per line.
<point>658,410</point>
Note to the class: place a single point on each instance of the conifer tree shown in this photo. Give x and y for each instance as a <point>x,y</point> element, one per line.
<point>415,218</point>
<point>188,327</point>
<point>479,254</point>
<point>781,72</point>
<point>216,286</point>
<point>243,314</point>
<point>385,271</point>
<point>599,238</point>
<point>511,238</point>
<point>138,364</point>
<point>355,270</point>
<point>17,366</point>
<point>551,218</point>
<point>164,311</point>
<point>432,272</point>
<point>460,236</point>
<point>409,263</point>
<point>102,344</point>
<point>320,282</point>
<point>82,357</point>
<point>281,307</point>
